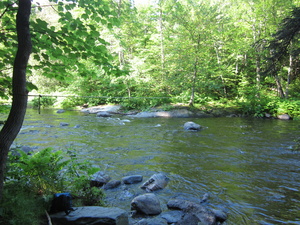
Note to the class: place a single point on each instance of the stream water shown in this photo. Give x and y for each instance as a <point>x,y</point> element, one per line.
<point>246,165</point>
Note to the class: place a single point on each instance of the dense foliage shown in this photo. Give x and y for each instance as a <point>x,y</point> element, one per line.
<point>32,179</point>
<point>187,51</point>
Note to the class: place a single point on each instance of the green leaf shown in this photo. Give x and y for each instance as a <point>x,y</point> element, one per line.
<point>30,86</point>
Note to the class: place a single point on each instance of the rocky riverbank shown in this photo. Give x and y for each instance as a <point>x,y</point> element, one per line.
<point>176,111</point>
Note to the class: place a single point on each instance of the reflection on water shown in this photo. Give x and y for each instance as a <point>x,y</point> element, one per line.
<point>244,164</point>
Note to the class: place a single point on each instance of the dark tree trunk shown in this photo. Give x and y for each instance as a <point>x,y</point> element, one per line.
<point>19,103</point>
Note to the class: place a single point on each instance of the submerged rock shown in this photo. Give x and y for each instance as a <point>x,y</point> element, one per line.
<point>193,213</point>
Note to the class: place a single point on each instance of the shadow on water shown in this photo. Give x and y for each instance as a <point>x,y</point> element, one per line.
<point>246,165</point>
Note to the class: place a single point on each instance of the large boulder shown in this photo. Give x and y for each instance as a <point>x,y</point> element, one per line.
<point>93,215</point>
<point>156,182</point>
<point>146,204</point>
<point>192,126</point>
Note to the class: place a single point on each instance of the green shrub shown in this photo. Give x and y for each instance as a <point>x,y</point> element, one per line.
<point>291,107</point>
<point>72,102</point>
<point>4,109</point>
<point>43,102</point>
<point>143,103</point>
<point>21,206</point>
<point>31,181</point>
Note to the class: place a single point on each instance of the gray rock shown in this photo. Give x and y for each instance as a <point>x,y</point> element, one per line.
<point>284,117</point>
<point>204,198</point>
<point>220,215</point>
<point>172,216</point>
<point>194,213</point>
<point>156,182</point>
<point>27,149</point>
<point>60,111</point>
<point>63,124</point>
<point>112,184</point>
<point>92,215</point>
<point>103,108</point>
<point>177,113</point>
<point>146,204</point>
<point>190,219</point>
<point>99,179</point>
<point>152,221</point>
<point>268,115</point>
<point>132,179</point>
<point>103,114</point>
<point>192,126</point>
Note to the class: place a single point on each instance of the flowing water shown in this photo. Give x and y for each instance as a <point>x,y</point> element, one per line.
<point>246,165</point>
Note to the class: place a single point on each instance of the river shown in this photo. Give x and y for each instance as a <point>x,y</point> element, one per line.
<point>246,165</point>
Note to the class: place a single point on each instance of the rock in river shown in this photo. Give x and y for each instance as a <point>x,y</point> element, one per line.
<point>156,182</point>
<point>99,179</point>
<point>132,179</point>
<point>146,204</point>
<point>193,213</point>
<point>192,126</point>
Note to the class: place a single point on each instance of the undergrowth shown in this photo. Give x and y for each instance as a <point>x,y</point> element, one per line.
<point>31,181</point>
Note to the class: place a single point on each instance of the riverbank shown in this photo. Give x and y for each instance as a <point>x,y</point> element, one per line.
<point>177,111</point>
<point>174,111</point>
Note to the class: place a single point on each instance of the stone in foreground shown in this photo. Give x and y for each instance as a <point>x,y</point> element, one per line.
<point>92,215</point>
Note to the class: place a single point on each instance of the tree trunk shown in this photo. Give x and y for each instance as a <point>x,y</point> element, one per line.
<point>258,78</point>
<point>289,75</point>
<point>279,86</point>
<point>19,103</point>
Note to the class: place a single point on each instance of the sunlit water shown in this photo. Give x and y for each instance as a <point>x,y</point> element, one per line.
<point>246,165</point>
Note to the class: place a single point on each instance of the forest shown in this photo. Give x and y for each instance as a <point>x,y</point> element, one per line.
<point>243,54</point>
<point>200,54</point>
